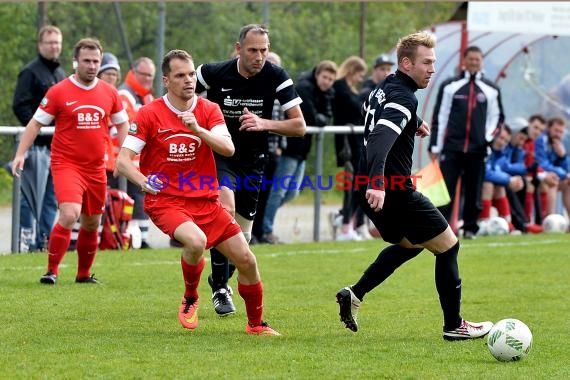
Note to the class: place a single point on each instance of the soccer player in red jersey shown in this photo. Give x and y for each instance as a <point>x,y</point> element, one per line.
<point>176,136</point>
<point>79,105</point>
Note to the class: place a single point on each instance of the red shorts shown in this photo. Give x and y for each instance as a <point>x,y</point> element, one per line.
<point>168,212</point>
<point>88,188</point>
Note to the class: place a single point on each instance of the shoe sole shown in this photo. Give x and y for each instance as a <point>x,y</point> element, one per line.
<point>223,315</point>
<point>455,337</point>
<point>345,312</point>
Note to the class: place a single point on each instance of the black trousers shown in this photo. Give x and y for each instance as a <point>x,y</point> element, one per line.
<point>471,168</point>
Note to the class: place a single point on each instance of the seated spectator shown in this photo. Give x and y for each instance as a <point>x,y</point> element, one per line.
<point>538,181</point>
<point>552,157</point>
<point>500,175</point>
<point>515,164</point>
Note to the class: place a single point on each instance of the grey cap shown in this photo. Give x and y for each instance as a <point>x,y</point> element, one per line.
<point>109,61</point>
<point>382,59</point>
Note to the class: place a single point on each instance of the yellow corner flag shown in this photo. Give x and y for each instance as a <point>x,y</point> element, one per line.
<point>431,184</point>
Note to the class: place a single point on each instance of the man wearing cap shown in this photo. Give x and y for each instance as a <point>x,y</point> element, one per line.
<point>135,92</point>
<point>382,67</point>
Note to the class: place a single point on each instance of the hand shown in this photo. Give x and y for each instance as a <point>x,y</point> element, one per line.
<point>189,120</point>
<point>17,166</point>
<point>551,179</point>
<point>558,148</point>
<point>152,185</point>
<point>516,183</point>
<point>423,130</point>
<point>433,156</point>
<point>375,199</point>
<point>251,122</point>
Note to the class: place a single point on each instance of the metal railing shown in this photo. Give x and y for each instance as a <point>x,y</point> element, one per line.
<point>319,133</point>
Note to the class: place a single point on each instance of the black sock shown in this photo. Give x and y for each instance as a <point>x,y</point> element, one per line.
<point>448,285</point>
<point>390,259</point>
<point>220,264</point>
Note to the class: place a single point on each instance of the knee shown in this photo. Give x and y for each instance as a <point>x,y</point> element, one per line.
<point>91,224</point>
<point>193,250</point>
<point>67,218</point>
<point>247,261</point>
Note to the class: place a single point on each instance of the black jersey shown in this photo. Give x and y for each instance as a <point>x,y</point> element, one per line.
<point>390,128</point>
<point>233,92</point>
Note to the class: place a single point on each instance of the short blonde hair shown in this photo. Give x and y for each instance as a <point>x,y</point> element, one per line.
<point>407,47</point>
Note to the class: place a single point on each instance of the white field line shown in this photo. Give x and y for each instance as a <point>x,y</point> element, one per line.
<point>464,246</point>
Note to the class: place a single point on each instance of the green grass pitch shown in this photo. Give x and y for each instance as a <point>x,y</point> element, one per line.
<point>127,328</point>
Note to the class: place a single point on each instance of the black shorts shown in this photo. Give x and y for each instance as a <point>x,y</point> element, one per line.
<point>244,178</point>
<point>406,214</point>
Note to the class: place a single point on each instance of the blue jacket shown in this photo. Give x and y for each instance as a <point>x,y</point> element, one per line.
<point>548,159</point>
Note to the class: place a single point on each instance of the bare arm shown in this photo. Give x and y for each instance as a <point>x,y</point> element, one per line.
<point>122,130</point>
<point>292,126</point>
<point>126,167</point>
<point>220,143</point>
<point>30,133</point>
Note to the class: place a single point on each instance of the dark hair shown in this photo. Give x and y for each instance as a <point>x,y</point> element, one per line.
<point>556,120</point>
<point>87,43</point>
<point>254,28</point>
<point>174,54</point>
<point>538,117</point>
<point>472,49</point>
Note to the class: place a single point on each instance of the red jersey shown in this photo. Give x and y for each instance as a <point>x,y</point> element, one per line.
<point>172,152</point>
<point>81,121</point>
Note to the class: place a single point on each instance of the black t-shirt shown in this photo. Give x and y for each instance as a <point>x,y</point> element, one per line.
<point>233,92</point>
<point>390,128</point>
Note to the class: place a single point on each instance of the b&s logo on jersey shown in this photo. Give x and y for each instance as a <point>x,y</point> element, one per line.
<point>133,128</point>
<point>44,102</point>
<point>89,116</point>
<point>182,147</point>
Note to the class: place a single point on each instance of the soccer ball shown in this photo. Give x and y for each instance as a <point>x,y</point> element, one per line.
<point>509,340</point>
<point>555,223</point>
<point>497,226</point>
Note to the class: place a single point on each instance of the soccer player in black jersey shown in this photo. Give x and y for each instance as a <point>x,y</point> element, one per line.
<point>245,87</point>
<point>404,217</point>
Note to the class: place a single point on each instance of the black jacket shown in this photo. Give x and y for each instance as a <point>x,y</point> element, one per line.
<point>33,82</point>
<point>316,108</point>
<point>467,112</point>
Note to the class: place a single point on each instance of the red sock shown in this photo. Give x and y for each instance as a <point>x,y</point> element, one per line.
<point>57,247</point>
<point>253,297</point>
<point>486,211</point>
<point>191,274</point>
<point>503,208</point>
<point>544,204</point>
<point>86,251</point>
<point>529,205</point>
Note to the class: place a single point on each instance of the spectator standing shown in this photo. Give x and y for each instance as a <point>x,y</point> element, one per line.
<point>185,209</point>
<point>405,218</point>
<point>33,82</point>
<point>135,92</point>
<point>346,107</point>
<point>245,88</point>
<point>276,144</point>
<point>315,89</point>
<point>467,112</point>
<point>110,72</point>
<point>79,106</point>
<point>381,68</point>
